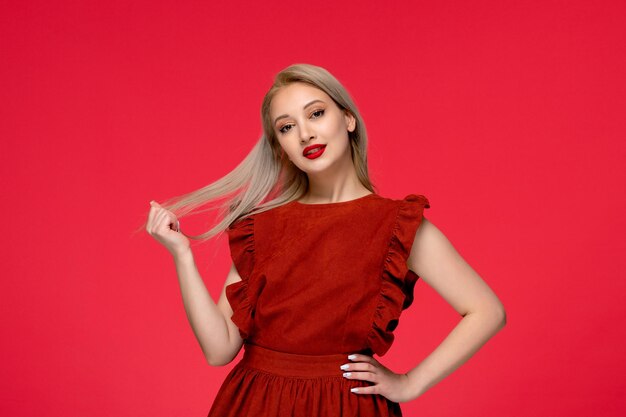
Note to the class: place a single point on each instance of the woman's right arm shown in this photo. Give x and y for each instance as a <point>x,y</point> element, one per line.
<point>218,336</point>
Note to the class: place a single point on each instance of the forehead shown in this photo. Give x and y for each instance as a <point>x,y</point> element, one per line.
<point>294,97</point>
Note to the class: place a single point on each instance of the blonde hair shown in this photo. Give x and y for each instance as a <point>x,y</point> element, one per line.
<point>266,179</point>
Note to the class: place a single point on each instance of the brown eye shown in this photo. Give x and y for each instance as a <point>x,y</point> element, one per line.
<point>284,129</point>
<point>317,113</point>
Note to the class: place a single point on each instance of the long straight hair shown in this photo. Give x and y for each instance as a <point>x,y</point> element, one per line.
<point>266,178</point>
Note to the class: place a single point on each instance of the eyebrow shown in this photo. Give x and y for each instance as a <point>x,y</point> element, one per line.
<point>306,105</point>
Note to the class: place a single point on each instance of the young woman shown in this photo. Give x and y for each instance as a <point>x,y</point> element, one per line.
<point>322,268</point>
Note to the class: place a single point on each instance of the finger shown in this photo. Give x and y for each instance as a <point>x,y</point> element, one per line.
<point>168,221</point>
<point>362,376</point>
<point>173,221</point>
<point>159,221</point>
<point>151,216</point>
<point>372,389</point>
<point>357,357</point>
<point>361,366</point>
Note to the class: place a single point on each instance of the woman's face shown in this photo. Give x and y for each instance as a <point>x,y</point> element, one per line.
<point>303,116</point>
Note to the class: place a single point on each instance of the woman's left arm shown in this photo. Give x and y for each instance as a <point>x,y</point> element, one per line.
<point>437,262</point>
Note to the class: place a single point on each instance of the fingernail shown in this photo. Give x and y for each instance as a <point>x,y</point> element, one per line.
<point>351,357</point>
<point>347,373</point>
<point>346,366</point>
<point>354,390</point>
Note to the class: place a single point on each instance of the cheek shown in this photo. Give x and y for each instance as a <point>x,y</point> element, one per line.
<point>340,126</point>
<point>283,144</point>
<point>288,150</point>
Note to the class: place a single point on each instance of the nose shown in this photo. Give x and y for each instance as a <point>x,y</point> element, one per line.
<point>305,133</point>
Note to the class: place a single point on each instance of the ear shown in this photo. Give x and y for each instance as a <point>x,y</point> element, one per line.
<point>350,121</point>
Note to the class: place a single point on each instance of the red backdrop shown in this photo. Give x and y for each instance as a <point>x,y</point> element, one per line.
<point>508,116</point>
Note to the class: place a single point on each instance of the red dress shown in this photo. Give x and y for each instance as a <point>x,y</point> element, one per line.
<point>318,282</point>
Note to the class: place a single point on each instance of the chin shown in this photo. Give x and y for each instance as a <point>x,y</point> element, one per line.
<point>319,167</point>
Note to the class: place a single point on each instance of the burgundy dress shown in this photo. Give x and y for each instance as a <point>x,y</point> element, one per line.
<point>319,282</point>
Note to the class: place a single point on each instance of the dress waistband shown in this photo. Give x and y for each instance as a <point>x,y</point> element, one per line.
<point>292,364</point>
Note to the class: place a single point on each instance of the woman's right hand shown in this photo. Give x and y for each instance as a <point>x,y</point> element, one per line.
<point>162,225</point>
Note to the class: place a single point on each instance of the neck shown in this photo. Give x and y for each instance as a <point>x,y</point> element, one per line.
<point>338,183</point>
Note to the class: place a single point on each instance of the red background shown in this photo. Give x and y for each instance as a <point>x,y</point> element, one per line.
<point>508,116</point>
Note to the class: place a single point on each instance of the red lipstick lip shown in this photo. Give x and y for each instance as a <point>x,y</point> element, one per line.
<point>308,148</point>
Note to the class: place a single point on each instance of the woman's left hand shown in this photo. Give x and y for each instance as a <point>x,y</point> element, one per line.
<point>387,383</point>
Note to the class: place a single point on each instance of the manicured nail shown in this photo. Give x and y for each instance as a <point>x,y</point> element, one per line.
<point>354,390</point>
<point>351,357</point>
<point>347,373</point>
<point>346,366</point>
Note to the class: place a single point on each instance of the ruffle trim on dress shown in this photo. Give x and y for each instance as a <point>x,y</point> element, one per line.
<point>241,242</point>
<point>398,281</point>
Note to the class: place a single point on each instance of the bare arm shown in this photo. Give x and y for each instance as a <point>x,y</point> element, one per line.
<point>218,336</point>
<point>437,262</point>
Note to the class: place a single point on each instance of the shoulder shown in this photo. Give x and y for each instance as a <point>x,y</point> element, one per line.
<point>409,209</point>
<point>247,220</point>
<point>404,216</point>
<point>414,200</point>
<point>408,199</point>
